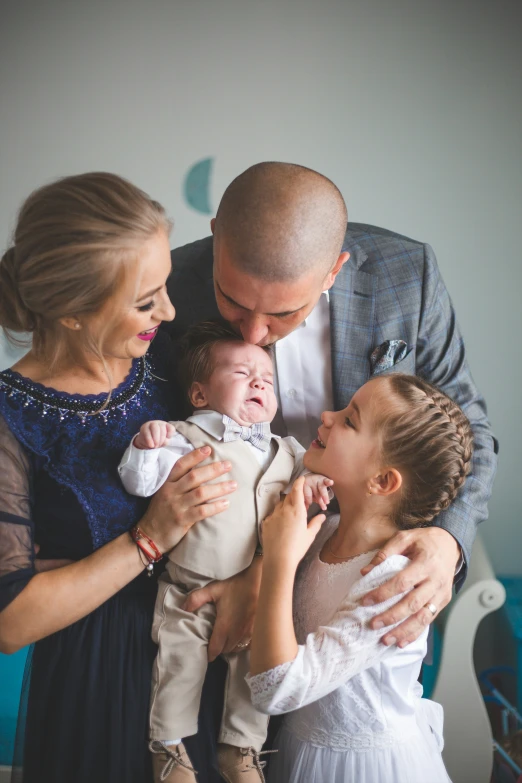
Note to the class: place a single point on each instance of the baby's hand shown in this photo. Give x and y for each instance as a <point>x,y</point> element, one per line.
<point>154,434</point>
<point>316,490</point>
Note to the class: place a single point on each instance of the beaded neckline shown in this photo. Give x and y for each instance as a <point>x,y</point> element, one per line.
<point>51,402</point>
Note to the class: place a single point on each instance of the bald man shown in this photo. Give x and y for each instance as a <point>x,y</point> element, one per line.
<point>340,304</point>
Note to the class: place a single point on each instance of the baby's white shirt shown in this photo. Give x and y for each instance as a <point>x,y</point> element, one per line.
<point>144,471</point>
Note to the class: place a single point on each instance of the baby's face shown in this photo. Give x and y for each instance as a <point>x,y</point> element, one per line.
<point>242,383</point>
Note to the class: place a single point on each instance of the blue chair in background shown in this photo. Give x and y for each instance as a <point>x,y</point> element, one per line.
<point>11,676</point>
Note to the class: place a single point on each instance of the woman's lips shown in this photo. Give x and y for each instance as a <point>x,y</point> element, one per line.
<point>149,334</point>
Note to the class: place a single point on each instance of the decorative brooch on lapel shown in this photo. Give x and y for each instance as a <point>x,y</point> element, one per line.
<point>387,354</point>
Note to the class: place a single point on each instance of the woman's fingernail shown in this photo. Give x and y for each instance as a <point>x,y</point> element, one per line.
<point>232,484</point>
<point>225,502</point>
<point>404,643</point>
<point>379,624</point>
<point>389,641</point>
<point>368,602</point>
<point>205,450</point>
<point>226,465</point>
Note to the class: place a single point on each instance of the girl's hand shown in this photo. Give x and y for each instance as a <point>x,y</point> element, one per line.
<point>185,498</point>
<point>286,533</point>
<point>316,490</point>
<point>154,434</point>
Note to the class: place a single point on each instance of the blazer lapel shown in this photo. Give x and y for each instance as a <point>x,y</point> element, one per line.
<point>352,316</point>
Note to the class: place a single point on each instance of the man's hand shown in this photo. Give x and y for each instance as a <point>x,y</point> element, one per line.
<point>434,554</point>
<point>47,565</point>
<point>236,601</point>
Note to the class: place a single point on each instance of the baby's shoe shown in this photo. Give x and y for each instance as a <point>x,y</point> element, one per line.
<point>171,764</point>
<point>241,765</point>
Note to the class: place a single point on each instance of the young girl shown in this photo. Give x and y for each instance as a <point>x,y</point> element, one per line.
<point>397,455</point>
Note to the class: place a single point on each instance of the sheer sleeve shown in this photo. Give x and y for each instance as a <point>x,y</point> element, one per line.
<point>16,527</point>
<point>335,653</point>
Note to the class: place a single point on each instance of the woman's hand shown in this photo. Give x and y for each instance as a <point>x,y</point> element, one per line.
<point>236,601</point>
<point>185,499</point>
<point>286,534</point>
<point>61,594</point>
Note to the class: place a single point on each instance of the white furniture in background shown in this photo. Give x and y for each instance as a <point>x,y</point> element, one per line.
<point>468,741</point>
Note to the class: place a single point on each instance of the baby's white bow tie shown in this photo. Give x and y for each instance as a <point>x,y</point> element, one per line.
<point>258,435</point>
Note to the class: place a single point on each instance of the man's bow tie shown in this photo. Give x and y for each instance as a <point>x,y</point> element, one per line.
<point>258,435</point>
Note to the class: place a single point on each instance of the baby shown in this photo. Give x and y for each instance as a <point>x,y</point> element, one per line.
<point>230,386</point>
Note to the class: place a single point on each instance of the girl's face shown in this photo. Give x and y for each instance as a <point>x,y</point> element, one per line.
<point>348,445</point>
<point>137,314</point>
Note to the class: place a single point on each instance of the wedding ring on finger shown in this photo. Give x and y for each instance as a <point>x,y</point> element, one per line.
<point>242,645</point>
<point>432,608</point>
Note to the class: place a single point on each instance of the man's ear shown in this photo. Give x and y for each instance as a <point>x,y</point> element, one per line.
<point>197,395</point>
<point>386,483</point>
<point>212,224</point>
<point>332,274</point>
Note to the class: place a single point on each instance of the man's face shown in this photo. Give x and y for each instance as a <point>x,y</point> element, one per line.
<point>262,311</point>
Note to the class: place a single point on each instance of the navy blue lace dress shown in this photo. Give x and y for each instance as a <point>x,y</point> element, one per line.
<point>85,715</point>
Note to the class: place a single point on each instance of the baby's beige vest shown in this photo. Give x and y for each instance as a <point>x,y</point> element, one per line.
<point>223,545</point>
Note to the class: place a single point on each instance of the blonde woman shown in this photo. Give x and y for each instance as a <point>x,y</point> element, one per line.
<point>86,277</point>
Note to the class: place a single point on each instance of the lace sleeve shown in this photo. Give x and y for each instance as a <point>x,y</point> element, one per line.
<point>333,654</point>
<point>16,529</point>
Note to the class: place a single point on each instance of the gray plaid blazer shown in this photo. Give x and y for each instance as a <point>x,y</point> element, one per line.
<point>390,289</point>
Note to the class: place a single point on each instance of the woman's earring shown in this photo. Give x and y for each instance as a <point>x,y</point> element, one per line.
<point>77,325</point>
<point>369,493</point>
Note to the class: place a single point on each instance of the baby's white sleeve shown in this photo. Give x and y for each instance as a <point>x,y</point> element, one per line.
<point>334,653</point>
<point>144,471</point>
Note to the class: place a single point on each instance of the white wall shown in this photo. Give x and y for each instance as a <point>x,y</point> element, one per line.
<point>412,107</point>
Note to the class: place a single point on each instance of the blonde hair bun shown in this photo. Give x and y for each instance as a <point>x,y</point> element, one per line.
<point>14,315</point>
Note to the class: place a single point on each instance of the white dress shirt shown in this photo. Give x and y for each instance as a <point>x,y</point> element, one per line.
<point>303,375</point>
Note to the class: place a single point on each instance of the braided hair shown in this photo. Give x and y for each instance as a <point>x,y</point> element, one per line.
<point>428,437</point>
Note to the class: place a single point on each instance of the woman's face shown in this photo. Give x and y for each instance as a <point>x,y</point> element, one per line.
<point>348,445</point>
<point>137,314</point>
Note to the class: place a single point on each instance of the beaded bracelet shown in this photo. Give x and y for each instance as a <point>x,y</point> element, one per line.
<point>146,545</point>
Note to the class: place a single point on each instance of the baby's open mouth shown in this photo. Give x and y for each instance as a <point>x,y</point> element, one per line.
<point>257,400</point>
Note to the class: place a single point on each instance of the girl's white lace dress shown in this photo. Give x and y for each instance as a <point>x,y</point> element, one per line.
<point>355,712</point>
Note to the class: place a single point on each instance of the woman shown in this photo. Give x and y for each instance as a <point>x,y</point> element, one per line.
<point>86,278</point>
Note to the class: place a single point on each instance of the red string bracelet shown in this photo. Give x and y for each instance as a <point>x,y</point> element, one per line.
<point>147,546</point>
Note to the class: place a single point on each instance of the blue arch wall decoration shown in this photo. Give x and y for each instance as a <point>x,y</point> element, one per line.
<point>196,187</point>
